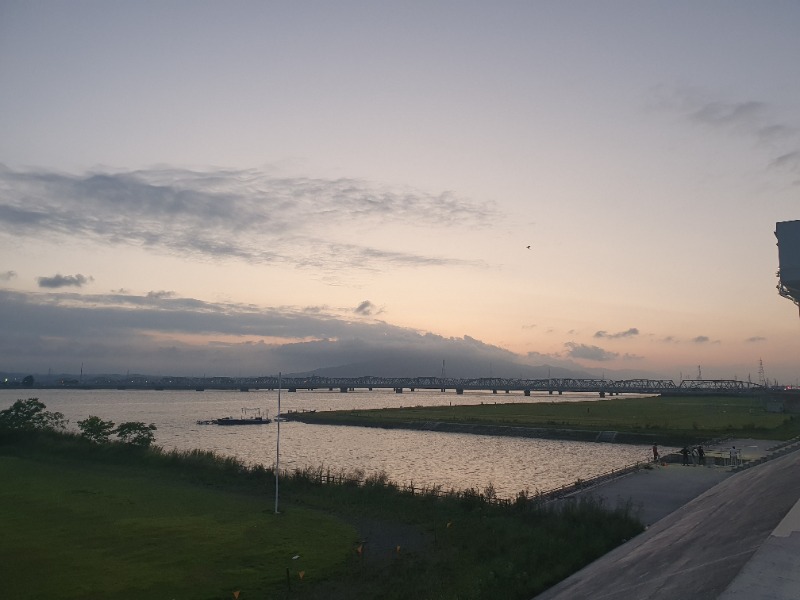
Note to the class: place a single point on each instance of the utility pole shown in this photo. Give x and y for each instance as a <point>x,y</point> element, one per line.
<point>278,444</point>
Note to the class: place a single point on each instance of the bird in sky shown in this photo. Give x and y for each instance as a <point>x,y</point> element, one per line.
<point>528,247</point>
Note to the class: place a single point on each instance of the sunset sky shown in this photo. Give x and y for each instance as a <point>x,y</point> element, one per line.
<point>238,188</point>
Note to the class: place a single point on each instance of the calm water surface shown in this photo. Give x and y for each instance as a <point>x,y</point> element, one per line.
<point>451,460</point>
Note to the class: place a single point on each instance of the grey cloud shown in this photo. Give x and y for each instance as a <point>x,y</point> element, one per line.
<point>160,295</point>
<point>59,281</point>
<point>589,352</point>
<point>158,333</point>
<point>776,132</point>
<point>726,114</point>
<point>700,339</point>
<point>755,338</point>
<point>751,118</point>
<point>790,160</point>
<point>366,308</point>
<point>244,215</point>
<point>8,275</point>
<point>621,334</point>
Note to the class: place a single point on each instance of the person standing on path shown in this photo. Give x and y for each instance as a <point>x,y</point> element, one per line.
<point>655,453</point>
<point>685,453</point>
<point>701,454</point>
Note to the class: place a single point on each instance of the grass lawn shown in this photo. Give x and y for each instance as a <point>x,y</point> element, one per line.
<point>75,530</point>
<point>679,418</point>
<point>83,520</point>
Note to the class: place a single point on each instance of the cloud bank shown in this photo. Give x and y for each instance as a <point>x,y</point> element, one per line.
<point>220,214</point>
<point>117,333</point>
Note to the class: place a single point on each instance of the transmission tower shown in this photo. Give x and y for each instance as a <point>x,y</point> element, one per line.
<point>762,379</point>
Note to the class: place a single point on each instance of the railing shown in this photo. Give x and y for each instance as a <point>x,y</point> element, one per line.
<point>487,495</point>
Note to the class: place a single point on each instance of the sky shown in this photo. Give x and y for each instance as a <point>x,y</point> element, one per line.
<point>241,188</point>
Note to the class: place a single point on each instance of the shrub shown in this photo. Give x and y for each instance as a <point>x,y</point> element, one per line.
<point>136,433</point>
<point>30,415</point>
<point>96,430</point>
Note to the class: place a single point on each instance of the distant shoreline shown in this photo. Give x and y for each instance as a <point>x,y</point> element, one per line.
<point>577,435</point>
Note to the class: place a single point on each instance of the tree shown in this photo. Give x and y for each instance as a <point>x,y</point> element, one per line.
<point>96,430</point>
<point>27,381</point>
<point>31,415</point>
<point>136,433</point>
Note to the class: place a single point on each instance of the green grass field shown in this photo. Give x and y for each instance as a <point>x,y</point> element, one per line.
<point>83,520</point>
<point>681,419</point>
<point>73,530</point>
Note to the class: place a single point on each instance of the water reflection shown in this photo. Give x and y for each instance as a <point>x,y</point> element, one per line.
<point>449,460</point>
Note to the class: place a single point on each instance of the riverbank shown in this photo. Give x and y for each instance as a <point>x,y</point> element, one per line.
<point>163,517</point>
<point>555,433</point>
<point>651,420</point>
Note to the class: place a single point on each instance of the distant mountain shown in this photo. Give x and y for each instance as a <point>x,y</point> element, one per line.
<point>413,366</point>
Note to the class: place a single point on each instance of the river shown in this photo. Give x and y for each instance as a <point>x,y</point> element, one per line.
<point>450,460</point>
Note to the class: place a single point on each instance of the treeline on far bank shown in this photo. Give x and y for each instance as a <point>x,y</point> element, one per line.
<point>392,541</point>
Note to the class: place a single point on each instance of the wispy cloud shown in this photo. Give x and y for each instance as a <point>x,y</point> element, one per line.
<point>790,160</point>
<point>60,281</point>
<point>750,118</point>
<point>160,295</point>
<point>242,215</point>
<point>587,352</point>
<point>748,114</point>
<point>8,275</point>
<point>755,338</point>
<point>633,331</point>
<point>701,339</point>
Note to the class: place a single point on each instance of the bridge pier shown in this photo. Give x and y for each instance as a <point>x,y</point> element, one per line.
<point>459,391</point>
<point>602,394</point>
<point>527,392</point>
<point>494,391</point>
<point>398,390</point>
<point>550,392</point>
<point>508,391</point>
<point>292,390</point>
<point>342,390</point>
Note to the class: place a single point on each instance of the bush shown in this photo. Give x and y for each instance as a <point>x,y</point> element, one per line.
<point>136,433</point>
<point>96,430</point>
<point>30,415</point>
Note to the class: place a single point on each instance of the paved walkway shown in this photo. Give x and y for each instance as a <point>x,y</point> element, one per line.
<point>710,532</point>
<point>656,492</point>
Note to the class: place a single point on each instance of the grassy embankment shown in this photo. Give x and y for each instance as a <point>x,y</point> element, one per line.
<point>112,521</point>
<point>667,420</point>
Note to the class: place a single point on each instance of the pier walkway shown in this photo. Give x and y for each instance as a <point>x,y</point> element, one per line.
<point>713,532</point>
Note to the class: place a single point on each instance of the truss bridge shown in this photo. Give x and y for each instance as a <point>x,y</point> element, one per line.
<point>602,387</point>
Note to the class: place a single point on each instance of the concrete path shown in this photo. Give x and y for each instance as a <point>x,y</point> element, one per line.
<point>696,547</point>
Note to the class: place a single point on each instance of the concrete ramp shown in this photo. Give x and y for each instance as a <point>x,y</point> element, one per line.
<point>697,551</point>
